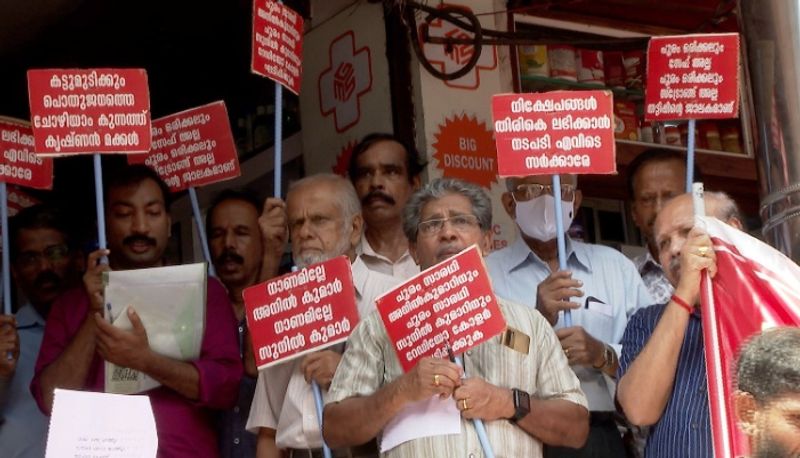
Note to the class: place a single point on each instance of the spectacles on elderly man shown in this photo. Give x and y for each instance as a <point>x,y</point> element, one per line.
<point>461,223</point>
<point>54,253</point>
<point>528,191</point>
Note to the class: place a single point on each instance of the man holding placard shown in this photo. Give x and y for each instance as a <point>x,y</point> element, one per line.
<point>606,287</point>
<point>662,372</point>
<point>324,219</point>
<point>521,387</point>
<point>44,264</point>
<point>78,339</point>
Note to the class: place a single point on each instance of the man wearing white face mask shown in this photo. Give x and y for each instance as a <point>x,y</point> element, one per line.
<point>600,286</point>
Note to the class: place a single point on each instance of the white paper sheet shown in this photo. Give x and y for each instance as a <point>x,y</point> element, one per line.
<point>94,425</point>
<point>432,417</point>
<point>171,302</point>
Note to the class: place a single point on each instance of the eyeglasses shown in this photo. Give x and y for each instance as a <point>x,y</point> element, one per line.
<point>461,223</point>
<point>53,253</point>
<point>528,191</point>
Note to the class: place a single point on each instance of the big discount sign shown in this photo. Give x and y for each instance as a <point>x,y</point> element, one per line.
<point>192,148</point>
<point>89,111</point>
<point>692,77</point>
<point>300,312</point>
<point>451,303</point>
<point>554,132</point>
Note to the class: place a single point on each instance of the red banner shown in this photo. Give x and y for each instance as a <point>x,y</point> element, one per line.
<point>19,164</point>
<point>692,77</point>
<point>89,111</point>
<point>755,288</point>
<point>449,303</point>
<point>192,148</point>
<point>300,312</point>
<point>277,43</point>
<point>554,132</point>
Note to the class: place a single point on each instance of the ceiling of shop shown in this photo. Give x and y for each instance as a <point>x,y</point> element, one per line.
<point>676,15</point>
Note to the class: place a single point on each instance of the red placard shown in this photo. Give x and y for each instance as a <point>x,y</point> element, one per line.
<point>692,77</point>
<point>277,43</point>
<point>192,148</point>
<point>451,302</point>
<point>554,132</point>
<point>300,312</point>
<point>89,111</point>
<point>18,163</point>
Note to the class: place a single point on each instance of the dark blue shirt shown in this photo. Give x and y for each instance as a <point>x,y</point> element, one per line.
<point>684,428</point>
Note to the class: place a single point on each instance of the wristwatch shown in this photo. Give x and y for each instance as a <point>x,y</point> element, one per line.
<point>608,357</point>
<point>522,404</point>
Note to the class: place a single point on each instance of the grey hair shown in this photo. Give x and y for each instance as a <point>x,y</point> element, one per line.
<point>441,187</point>
<point>727,207</point>
<point>769,364</point>
<point>347,199</point>
<point>511,183</point>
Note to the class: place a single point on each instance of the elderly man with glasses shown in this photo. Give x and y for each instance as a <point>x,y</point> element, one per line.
<point>600,286</point>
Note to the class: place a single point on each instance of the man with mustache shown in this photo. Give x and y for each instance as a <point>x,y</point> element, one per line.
<point>43,264</point>
<point>385,171</point>
<point>78,339</point>
<point>662,371</point>
<point>527,395</point>
<point>600,286</point>
<point>767,399</point>
<point>239,248</point>
<point>324,219</point>
<point>654,177</point>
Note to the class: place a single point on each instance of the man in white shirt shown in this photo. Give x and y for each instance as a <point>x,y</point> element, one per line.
<point>324,218</point>
<point>385,171</point>
<point>600,286</point>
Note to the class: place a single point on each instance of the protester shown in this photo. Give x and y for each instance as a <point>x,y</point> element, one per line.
<point>44,263</point>
<point>767,399</point>
<point>78,340</point>
<point>385,171</point>
<point>662,373</point>
<point>325,221</point>
<point>654,177</point>
<point>370,388</point>
<point>607,286</point>
<point>236,246</point>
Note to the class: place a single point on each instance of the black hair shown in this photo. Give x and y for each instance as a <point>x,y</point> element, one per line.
<point>133,175</point>
<point>769,364</point>
<point>243,195</point>
<point>414,165</point>
<point>37,217</point>
<point>656,155</point>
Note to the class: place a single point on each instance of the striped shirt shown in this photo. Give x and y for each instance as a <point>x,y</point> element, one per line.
<point>370,361</point>
<point>684,428</point>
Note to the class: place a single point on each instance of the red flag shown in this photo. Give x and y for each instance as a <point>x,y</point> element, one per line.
<point>755,288</point>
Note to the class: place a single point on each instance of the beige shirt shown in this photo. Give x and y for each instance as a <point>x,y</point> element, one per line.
<point>370,361</point>
<point>283,401</point>
<point>402,269</point>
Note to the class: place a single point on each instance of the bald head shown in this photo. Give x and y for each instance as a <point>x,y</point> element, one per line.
<point>676,219</point>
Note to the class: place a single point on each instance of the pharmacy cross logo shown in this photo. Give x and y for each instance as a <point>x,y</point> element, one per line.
<point>348,77</point>
<point>453,58</point>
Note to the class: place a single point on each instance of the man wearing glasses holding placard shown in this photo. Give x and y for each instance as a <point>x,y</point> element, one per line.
<point>600,286</point>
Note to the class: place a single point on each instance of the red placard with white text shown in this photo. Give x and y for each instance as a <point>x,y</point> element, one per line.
<point>554,132</point>
<point>277,43</point>
<point>692,77</point>
<point>192,148</point>
<point>451,302</point>
<point>86,111</point>
<point>301,312</point>
<point>18,163</point>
